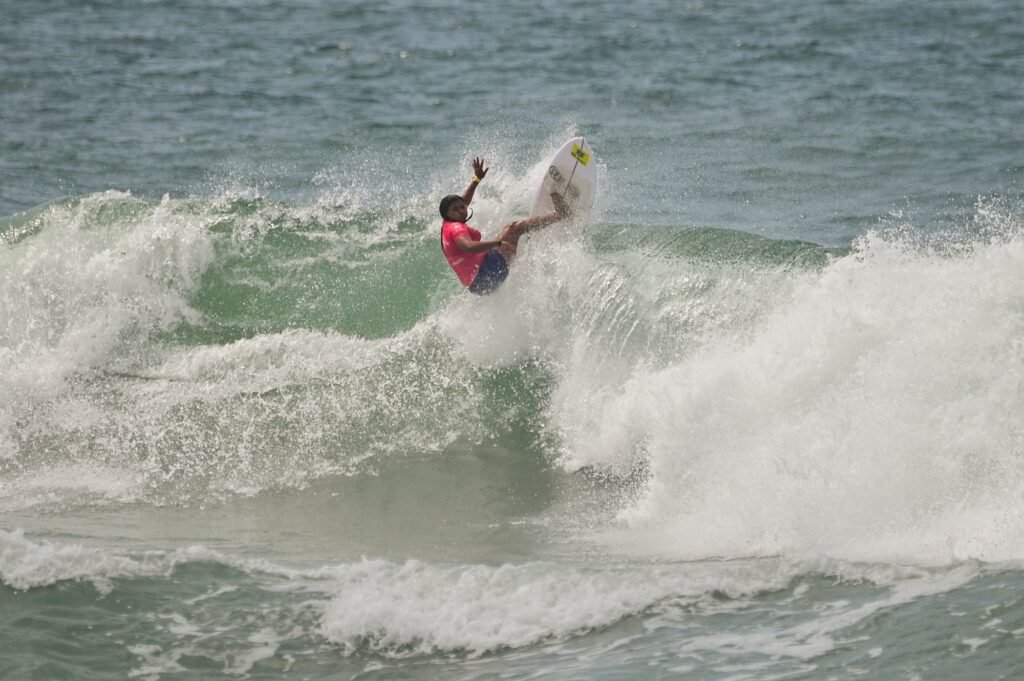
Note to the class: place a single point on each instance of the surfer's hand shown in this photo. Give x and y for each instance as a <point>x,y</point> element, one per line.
<point>478,168</point>
<point>561,207</point>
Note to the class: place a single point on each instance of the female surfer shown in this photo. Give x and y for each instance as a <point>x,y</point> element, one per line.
<point>482,265</point>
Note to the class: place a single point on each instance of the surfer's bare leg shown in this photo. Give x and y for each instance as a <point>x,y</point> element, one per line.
<point>511,232</point>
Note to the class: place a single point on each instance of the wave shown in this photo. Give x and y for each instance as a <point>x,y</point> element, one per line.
<point>400,610</point>
<point>235,344</point>
<point>756,396</point>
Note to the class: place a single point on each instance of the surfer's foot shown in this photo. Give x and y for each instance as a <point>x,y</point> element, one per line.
<point>561,207</point>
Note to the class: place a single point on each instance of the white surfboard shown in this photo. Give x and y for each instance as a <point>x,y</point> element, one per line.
<point>572,172</point>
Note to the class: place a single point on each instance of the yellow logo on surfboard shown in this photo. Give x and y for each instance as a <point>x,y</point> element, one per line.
<point>580,155</point>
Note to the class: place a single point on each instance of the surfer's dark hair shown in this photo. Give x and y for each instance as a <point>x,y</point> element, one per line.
<point>447,202</point>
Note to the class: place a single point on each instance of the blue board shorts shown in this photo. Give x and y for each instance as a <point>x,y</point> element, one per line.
<point>492,273</point>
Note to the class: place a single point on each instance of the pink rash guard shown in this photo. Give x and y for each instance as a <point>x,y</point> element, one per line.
<point>465,264</point>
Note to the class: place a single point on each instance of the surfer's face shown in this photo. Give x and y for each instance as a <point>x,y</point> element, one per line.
<point>458,211</point>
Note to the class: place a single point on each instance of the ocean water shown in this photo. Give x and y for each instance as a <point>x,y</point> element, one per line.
<point>757,416</point>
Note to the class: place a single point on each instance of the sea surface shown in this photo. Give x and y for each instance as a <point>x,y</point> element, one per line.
<point>759,415</point>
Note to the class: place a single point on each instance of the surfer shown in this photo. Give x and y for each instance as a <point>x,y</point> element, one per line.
<point>481,264</point>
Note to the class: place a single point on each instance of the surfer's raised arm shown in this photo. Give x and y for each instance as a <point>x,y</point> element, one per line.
<point>478,174</point>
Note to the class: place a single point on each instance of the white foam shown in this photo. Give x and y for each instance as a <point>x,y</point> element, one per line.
<point>31,563</point>
<point>71,290</point>
<point>155,662</point>
<point>265,643</point>
<point>870,416</point>
<point>26,564</point>
<point>417,608</point>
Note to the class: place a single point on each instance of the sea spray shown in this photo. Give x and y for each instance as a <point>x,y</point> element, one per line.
<point>859,418</point>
